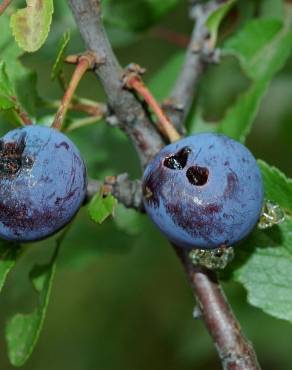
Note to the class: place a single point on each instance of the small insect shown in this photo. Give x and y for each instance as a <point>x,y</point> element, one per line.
<point>272,214</point>
<point>12,158</point>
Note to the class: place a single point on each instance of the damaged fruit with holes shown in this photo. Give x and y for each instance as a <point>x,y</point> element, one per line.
<point>204,191</point>
<point>42,183</point>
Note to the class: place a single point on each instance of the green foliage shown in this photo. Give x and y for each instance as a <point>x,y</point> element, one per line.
<point>264,260</point>
<point>265,263</point>
<point>215,18</point>
<point>262,47</point>
<point>135,15</point>
<point>23,330</point>
<point>101,207</point>
<point>277,186</point>
<point>58,65</point>
<point>21,79</point>
<point>6,89</point>
<point>31,25</point>
<point>8,254</point>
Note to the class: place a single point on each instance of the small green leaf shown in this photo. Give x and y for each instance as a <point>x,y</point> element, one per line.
<point>22,79</point>
<point>57,67</point>
<point>215,18</point>
<point>6,89</point>
<point>100,207</point>
<point>265,269</point>
<point>30,26</point>
<point>8,254</point>
<point>23,330</point>
<point>278,187</point>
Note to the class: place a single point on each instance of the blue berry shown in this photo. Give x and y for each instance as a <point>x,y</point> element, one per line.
<point>42,183</point>
<point>204,191</point>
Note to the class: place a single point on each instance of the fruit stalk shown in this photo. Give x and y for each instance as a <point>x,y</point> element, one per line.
<point>84,63</point>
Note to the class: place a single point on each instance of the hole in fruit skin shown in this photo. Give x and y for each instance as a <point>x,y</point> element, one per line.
<point>179,160</point>
<point>197,175</point>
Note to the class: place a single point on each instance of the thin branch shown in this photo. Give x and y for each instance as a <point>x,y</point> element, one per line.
<point>128,192</point>
<point>4,5</point>
<point>235,351</point>
<point>85,62</point>
<point>131,115</point>
<point>198,52</point>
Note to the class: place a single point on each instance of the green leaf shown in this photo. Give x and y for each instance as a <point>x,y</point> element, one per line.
<point>135,15</point>
<point>100,207</point>
<point>6,89</point>
<point>22,79</point>
<point>161,84</point>
<point>58,65</point>
<point>8,254</point>
<point>23,330</point>
<point>215,18</point>
<point>239,118</point>
<point>277,186</point>
<point>262,47</point>
<point>31,25</point>
<point>265,269</point>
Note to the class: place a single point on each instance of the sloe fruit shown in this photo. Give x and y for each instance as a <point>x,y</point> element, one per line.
<point>204,191</point>
<point>42,183</point>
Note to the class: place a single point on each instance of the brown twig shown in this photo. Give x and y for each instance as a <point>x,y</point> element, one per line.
<point>4,5</point>
<point>134,82</point>
<point>85,62</point>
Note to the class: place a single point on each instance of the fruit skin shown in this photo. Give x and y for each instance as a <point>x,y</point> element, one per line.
<point>204,191</point>
<point>42,183</point>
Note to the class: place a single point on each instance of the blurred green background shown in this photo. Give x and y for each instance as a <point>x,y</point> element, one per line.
<point>120,299</point>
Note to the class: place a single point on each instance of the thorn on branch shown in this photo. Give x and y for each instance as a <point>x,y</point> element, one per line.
<point>132,81</point>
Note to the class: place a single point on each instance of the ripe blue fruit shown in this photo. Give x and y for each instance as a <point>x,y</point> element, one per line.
<point>42,183</point>
<point>204,191</point>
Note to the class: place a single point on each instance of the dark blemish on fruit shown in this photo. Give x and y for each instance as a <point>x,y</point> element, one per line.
<point>60,200</point>
<point>211,146</point>
<point>62,144</point>
<point>195,220</point>
<point>197,175</point>
<point>179,160</point>
<point>212,208</point>
<point>232,183</point>
<point>12,158</point>
<point>226,163</point>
